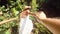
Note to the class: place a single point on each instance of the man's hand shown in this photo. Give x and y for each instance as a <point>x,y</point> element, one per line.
<point>38,15</point>
<point>41,15</point>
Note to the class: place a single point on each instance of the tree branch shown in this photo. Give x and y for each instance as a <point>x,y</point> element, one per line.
<point>6,21</point>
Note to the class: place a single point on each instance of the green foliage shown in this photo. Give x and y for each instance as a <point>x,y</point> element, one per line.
<point>14,8</point>
<point>40,29</point>
<point>33,5</point>
<point>14,11</point>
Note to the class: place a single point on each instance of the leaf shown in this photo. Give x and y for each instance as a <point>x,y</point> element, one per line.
<point>15,11</point>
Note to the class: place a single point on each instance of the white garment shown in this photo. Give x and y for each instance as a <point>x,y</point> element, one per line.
<point>26,26</point>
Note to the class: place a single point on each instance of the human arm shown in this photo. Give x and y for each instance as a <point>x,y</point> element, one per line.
<point>52,24</point>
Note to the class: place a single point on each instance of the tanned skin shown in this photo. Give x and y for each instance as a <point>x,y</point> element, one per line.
<point>51,23</point>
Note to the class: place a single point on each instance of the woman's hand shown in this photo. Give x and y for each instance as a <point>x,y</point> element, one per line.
<point>23,14</point>
<point>38,15</point>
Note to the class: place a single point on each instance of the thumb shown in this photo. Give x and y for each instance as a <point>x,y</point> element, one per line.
<point>42,15</point>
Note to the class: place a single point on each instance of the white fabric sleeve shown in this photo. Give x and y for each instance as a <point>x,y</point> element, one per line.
<point>26,25</point>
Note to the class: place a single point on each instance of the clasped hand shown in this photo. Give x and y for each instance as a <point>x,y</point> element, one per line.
<point>38,15</point>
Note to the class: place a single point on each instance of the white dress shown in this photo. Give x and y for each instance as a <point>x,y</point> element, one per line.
<point>26,26</point>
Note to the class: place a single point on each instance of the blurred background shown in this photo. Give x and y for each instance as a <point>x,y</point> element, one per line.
<point>12,9</point>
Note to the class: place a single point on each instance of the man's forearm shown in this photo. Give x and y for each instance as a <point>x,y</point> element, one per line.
<point>52,24</point>
<point>52,21</point>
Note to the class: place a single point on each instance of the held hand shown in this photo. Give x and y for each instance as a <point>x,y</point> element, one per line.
<point>41,15</point>
<point>38,15</point>
<point>23,14</point>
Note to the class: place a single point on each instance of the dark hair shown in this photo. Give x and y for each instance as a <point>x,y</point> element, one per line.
<point>51,8</point>
<point>4,3</point>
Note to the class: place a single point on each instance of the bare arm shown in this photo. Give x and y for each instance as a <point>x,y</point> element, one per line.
<point>51,23</point>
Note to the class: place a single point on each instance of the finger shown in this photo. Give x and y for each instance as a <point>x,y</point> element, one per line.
<point>32,13</point>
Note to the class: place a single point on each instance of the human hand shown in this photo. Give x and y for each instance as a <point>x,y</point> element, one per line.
<point>41,15</point>
<point>38,15</point>
<point>25,12</point>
